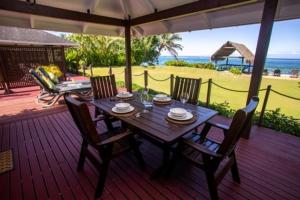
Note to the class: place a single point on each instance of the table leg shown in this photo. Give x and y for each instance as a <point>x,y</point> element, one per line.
<point>165,163</point>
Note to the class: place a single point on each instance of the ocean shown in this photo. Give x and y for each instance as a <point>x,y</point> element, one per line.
<point>284,64</point>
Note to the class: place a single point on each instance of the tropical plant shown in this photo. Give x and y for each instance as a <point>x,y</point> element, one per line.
<point>110,51</point>
<point>169,42</point>
<point>235,70</point>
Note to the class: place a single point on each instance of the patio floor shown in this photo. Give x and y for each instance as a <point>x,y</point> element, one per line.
<point>46,146</point>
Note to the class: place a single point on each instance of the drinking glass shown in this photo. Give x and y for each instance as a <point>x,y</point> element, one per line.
<point>184,97</point>
<point>145,99</point>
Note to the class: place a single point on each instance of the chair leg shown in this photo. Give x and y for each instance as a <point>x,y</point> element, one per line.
<point>235,169</point>
<point>212,186</point>
<point>135,146</point>
<point>83,150</point>
<point>106,157</point>
<point>204,132</point>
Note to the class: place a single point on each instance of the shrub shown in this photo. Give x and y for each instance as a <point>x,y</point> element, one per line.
<point>177,63</point>
<point>203,65</point>
<point>235,70</point>
<point>275,120</point>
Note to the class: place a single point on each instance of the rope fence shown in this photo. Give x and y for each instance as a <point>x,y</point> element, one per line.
<point>210,83</point>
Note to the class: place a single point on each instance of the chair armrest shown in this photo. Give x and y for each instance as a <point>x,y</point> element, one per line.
<point>202,149</point>
<point>218,125</point>
<point>98,118</point>
<point>115,138</point>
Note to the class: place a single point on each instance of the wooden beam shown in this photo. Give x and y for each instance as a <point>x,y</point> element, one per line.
<point>48,11</point>
<point>186,9</point>
<point>262,46</point>
<point>128,75</point>
<point>261,52</point>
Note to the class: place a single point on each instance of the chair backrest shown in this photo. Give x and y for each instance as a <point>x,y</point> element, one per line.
<point>189,86</point>
<point>239,122</point>
<point>82,118</point>
<point>41,82</point>
<point>104,86</point>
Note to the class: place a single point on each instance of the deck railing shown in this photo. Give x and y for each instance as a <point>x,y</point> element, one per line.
<point>211,83</point>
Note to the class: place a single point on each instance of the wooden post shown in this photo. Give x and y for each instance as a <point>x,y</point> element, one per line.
<point>261,52</point>
<point>63,62</point>
<point>83,68</point>
<point>128,78</point>
<point>171,84</point>
<point>209,84</point>
<point>263,109</point>
<point>110,70</point>
<point>91,69</point>
<point>145,79</point>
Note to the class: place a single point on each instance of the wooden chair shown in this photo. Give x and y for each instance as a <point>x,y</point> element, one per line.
<point>189,86</point>
<point>208,154</point>
<point>104,87</point>
<point>108,145</point>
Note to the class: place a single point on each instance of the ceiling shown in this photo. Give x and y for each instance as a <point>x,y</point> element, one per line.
<point>248,12</point>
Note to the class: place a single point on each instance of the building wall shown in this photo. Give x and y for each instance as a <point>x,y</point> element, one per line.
<point>15,63</point>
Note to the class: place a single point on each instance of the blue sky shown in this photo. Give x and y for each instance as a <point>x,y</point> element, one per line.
<point>285,40</point>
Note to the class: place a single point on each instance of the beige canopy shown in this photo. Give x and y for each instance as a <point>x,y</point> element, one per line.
<point>229,47</point>
<point>147,16</point>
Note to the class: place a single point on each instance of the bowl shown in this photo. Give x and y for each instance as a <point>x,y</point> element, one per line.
<point>161,96</point>
<point>124,94</point>
<point>122,106</point>
<point>178,112</point>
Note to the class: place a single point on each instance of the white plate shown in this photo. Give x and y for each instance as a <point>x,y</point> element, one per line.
<point>162,100</point>
<point>188,116</point>
<point>115,110</point>
<point>124,95</point>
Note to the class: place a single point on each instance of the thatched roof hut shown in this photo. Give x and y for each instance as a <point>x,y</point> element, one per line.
<point>229,47</point>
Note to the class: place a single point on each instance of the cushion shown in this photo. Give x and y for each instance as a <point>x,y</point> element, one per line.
<point>49,82</point>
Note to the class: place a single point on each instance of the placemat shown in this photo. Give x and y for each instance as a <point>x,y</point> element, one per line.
<point>162,102</point>
<point>125,98</point>
<point>124,114</point>
<point>6,161</point>
<point>190,121</point>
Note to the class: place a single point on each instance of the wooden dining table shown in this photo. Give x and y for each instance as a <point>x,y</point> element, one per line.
<point>153,124</point>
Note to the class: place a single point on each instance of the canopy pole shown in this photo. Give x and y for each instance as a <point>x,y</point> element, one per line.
<point>128,74</point>
<point>261,52</point>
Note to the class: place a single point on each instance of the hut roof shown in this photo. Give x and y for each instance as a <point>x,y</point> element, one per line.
<point>30,37</point>
<point>229,47</point>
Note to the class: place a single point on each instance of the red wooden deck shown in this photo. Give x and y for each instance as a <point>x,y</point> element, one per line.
<point>46,146</point>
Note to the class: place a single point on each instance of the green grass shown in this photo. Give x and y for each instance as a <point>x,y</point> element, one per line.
<point>218,95</point>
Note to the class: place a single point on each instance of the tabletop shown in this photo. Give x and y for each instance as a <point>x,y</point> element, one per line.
<point>154,122</point>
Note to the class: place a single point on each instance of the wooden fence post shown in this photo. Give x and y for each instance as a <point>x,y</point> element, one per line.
<point>263,109</point>
<point>209,83</point>
<point>91,69</point>
<point>146,79</point>
<point>83,68</point>
<point>171,84</point>
<point>110,70</point>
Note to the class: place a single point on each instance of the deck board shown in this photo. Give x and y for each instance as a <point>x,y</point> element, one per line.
<point>46,148</point>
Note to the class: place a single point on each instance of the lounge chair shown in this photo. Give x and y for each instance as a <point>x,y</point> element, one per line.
<point>294,73</point>
<point>277,72</point>
<point>51,93</point>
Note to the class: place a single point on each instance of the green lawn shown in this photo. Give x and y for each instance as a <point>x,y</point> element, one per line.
<point>226,79</point>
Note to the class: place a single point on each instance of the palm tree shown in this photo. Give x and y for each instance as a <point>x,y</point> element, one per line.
<point>169,43</point>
